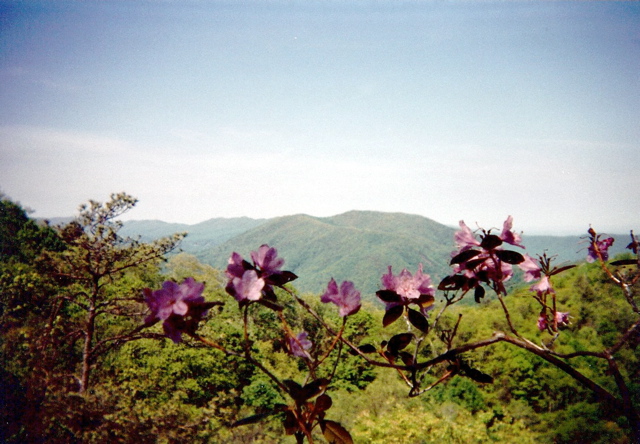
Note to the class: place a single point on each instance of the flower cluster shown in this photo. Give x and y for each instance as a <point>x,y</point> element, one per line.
<point>484,260</point>
<point>541,269</point>
<point>299,345</point>
<point>250,282</point>
<point>404,289</point>
<point>598,248</point>
<point>346,297</point>
<point>180,306</point>
<point>561,319</point>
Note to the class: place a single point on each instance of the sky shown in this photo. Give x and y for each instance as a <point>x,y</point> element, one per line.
<point>446,109</point>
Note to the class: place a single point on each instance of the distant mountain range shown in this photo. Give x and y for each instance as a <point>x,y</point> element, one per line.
<point>357,245</point>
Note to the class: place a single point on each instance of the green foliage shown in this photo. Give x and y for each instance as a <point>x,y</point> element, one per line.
<point>55,296</point>
<point>21,238</point>
<point>461,391</point>
<point>599,314</point>
<point>356,246</point>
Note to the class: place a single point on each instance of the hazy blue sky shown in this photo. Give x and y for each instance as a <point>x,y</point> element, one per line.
<point>451,110</point>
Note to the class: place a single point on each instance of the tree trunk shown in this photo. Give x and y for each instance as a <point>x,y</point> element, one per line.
<point>86,350</point>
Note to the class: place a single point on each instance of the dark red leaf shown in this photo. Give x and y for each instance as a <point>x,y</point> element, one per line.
<point>293,387</point>
<point>367,348</point>
<point>270,304</point>
<point>510,257</point>
<point>334,433</point>
<point>392,315</point>
<point>478,293</point>
<point>388,296</point>
<point>490,241</point>
<point>474,263</point>
<point>625,262</point>
<point>290,424</point>
<point>464,256</point>
<point>255,418</point>
<point>398,342</point>
<point>323,403</point>
<point>418,320</point>
<point>406,357</point>
<point>453,283</point>
<point>426,300</point>
<point>476,375</point>
<point>314,388</point>
<point>281,278</point>
<point>561,269</point>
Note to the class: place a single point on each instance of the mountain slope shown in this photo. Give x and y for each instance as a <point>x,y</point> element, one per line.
<point>358,246</point>
<point>200,236</point>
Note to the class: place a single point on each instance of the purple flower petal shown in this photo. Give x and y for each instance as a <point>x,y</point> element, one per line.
<point>249,287</point>
<point>509,236</point>
<point>464,238</point>
<point>300,344</point>
<point>347,298</point>
<point>267,259</point>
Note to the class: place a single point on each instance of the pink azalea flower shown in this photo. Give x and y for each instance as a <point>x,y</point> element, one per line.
<point>603,246</point>
<point>407,285</point>
<point>543,286</point>
<point>266,274</point>
<point>248,287</point>
<point>236,267</point>
<point>464,238</point>
<point>509,236</point>
<point>180,307</point>
<point>531,268</point>
<point>300,344</point>
<point>484,260</point>
<point>542,322</point>
<point>347,298</point>
<point>266,258</point>
<point>173,299</point>
<point>562,318</point>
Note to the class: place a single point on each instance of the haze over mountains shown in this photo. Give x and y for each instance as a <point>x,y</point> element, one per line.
<point>357,245</point>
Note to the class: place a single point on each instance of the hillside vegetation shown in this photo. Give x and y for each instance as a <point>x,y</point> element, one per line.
<point>357,245</point>
<point>82,362</point>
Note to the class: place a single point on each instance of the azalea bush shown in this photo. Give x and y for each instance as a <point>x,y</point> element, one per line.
<point>427,352</point>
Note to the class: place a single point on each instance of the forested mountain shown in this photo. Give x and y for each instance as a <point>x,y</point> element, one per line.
<point>83,360</point>
<point>202,236</point>
<point>357,245</point>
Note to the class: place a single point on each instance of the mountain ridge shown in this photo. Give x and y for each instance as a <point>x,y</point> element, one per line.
<point>355,245</point>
